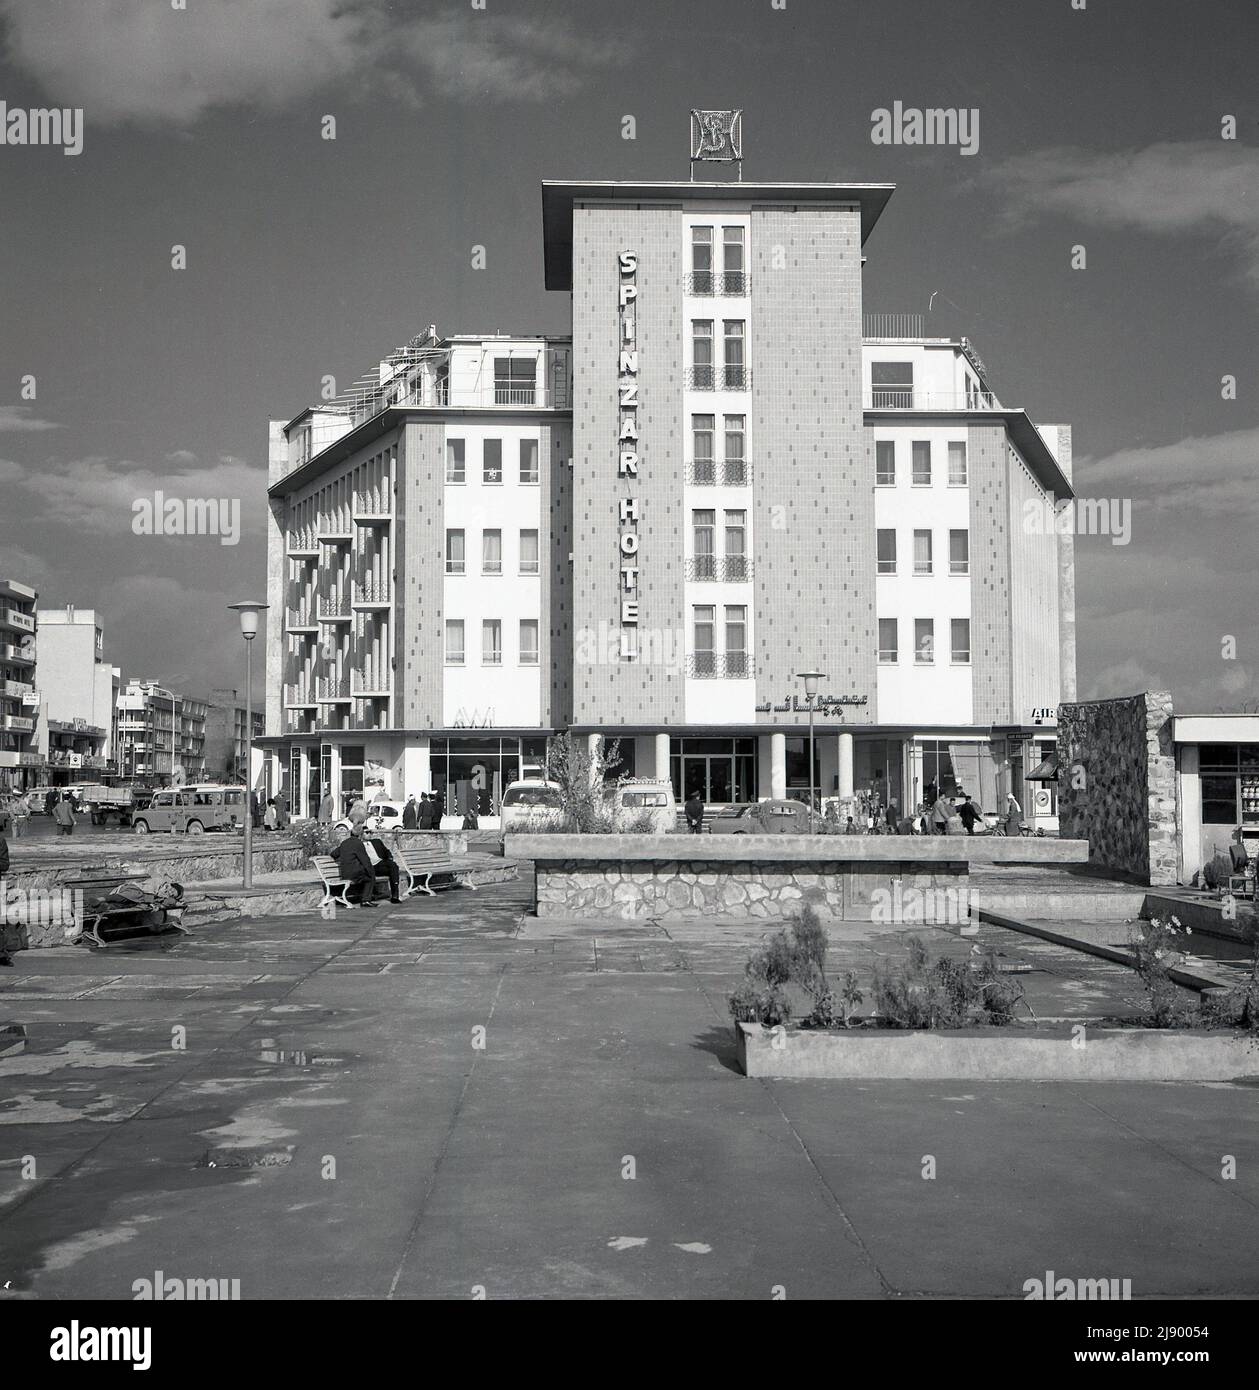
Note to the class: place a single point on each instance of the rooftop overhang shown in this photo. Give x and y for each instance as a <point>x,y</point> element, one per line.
<point>1215,728</point>
<point>1023,433</point>
<point>558,198</point>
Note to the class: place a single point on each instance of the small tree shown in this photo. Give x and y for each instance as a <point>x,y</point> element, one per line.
<point>581,776</point>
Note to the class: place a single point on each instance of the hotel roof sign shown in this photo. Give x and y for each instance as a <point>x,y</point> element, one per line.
<point>717,138</point>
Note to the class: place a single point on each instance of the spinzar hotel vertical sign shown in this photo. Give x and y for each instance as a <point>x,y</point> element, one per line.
<point>627,449</point>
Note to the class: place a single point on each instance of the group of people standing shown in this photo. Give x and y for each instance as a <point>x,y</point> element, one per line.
<point>424,814</point>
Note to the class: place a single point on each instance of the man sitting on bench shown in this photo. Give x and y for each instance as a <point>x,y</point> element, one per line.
<point>360,860</point>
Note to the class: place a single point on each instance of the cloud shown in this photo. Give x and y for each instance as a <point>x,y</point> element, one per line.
<point>18,417</point>
<point>135,60</point>
<point>22,565</point>
<point>1171,188</point>
<point>1211,475</point>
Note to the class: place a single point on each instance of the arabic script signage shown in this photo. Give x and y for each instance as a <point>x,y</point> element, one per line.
<point>825,706</point>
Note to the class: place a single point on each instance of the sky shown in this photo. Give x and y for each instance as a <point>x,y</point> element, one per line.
<point>1099,127</point>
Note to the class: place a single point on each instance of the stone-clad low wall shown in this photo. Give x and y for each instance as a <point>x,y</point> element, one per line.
<point>668,877</point>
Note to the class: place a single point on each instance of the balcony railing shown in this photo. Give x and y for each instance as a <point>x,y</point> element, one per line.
<point>298,695</point>
<point>299,619</point>
<point>907,398</point>
<point>13,618</point>
<point>373,591</point>
<point>16,723</point>
<point>723,569</point>
<point>721,378</point>
<point>515,393</point>
<point>336,533</point>
<point>719,665</point>
<point>23,656</point>
<point>302,544</point>
<point>727,472</point>
<point>369,685</point>
<point>333,690</point>
<point>334,610</point>
<point>706,282</point>
<point>891,325</point>
<point>17,690</point>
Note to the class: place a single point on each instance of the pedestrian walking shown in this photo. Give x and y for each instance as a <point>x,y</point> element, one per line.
<point>1013,816</point>
<point>51,797</point>
<point>63,814</point>
<point>21,814</point>
<point>941,813</point>
<point>411,814</point>
<point>968,812</point>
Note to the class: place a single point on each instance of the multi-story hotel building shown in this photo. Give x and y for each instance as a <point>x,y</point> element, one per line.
<point>647,530</point>
<point>79,694</point>
<point>20,759</point>
<point>161,734</point>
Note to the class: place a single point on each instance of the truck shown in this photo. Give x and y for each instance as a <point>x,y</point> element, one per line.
<point>102,802</point>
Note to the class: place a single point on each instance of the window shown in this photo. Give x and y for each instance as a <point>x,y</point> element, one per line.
<point>704,531</point>
<point>528,641</point>
<point>957,465</point>
<point>701,260</point>
<point>885,463</point>
<point>886,546</point>
<point>959,552</point>
<point>735,372</point>
<point>492,642</point>
<point>454,641</point>
<point>922,462</point>
<point>892,385</point>
<point>454,461</point>
<point>491,552</point>
<point>888,654</point>
<point>529,552</point>
<point>515,380</point>
<point>702,354</point>
<point>736,546</point>
<point>922,552</point>
<point>736,468</point>
<point>705,657</point>
<point>528,460</point>
<point>733,279</point>
<point>959,630</point>
<point>737,641</point>
<point>924,640</point>
<point>1219,801</point>
<point>454,552</point>
<point>702,428</point>
<point>492,461</point>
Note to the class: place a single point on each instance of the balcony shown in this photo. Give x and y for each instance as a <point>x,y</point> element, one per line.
<point>19,656</point>
<point>731,666</point>
<point>370,686</point>
<point>373,593</point>
<point>713,282</point>
<point>16,620</point>
<point>907,398</point>
<point>372,511</point>
<point>709,378</point>
<point>302,546</point>
<point>17,690</point>
<point>334,610</point>
<point>299,697</point>
<point>515,393</point>
<point>300,620</point>
<point>720,569</point>
<point>333,691</point>
<point>16,723</point>
<point>726,472</point>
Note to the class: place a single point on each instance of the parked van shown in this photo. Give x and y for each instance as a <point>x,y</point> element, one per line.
<point>528,804</point>
<point>192,810</point>
<point>640,799</point>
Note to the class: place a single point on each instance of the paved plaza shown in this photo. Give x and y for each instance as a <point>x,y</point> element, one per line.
<point>309,1106</point>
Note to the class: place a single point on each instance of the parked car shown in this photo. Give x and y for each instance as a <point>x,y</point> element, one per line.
<point>772,817</point>
<point>382,817</point>
<point>528,805</point>
<point>192,810</point>
<point>738,820</point>
<point>101,802</point>
<point>643,797</point>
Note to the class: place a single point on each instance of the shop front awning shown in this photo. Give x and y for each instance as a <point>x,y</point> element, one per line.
<point>1046,771</point>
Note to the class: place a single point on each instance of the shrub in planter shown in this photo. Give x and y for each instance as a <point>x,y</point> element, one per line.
<point>794,956</point>
<point>920,993</point>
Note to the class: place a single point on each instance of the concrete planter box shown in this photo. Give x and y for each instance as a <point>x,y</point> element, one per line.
<point>445,841</point>
<point>997,1054</point>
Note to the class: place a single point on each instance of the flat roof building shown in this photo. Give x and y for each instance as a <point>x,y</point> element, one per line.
<point>727,475</point>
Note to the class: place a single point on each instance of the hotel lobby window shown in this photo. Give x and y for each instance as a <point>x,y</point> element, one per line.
<point>492,642</point>
<point>733,333</point>
<point>885,463</point>
<point>702,429</point>
<point>888,653</point>
<point>529,552</point>
<point>701,260</point>
<point>721,770</point>
<point>922,552</point>
<point>733,276</point>
<point>491,552</point>
<point>921,463</point>
<point>528,460</point>
<point>924,641</point>
<point>885,540</point>
<point>454,641</point>
<point>960,632</point>
<point>957,465</point>
<point>455,560</point>
<point>702,354</point>
<point>454,461</point>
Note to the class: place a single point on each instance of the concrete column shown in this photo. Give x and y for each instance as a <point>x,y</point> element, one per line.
<point>778,766</point>
<point>593,742</point>
<point>845,764</point>
<point>764,758</point>
<point>416,768</point>
<point>662,756</point>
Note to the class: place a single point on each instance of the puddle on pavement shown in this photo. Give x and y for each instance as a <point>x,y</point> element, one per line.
<point>298,1057</point>
<point>242,1158</point>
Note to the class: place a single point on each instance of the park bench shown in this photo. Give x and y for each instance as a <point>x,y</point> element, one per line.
<point>335,886</point>
<point>427,864</point>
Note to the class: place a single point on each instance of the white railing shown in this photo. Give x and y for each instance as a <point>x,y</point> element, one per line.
<point>908,398</point>
<point>891,325</point>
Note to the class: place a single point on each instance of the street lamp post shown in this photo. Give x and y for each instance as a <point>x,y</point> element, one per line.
<point>249,611</point>
<point>810,679</point>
